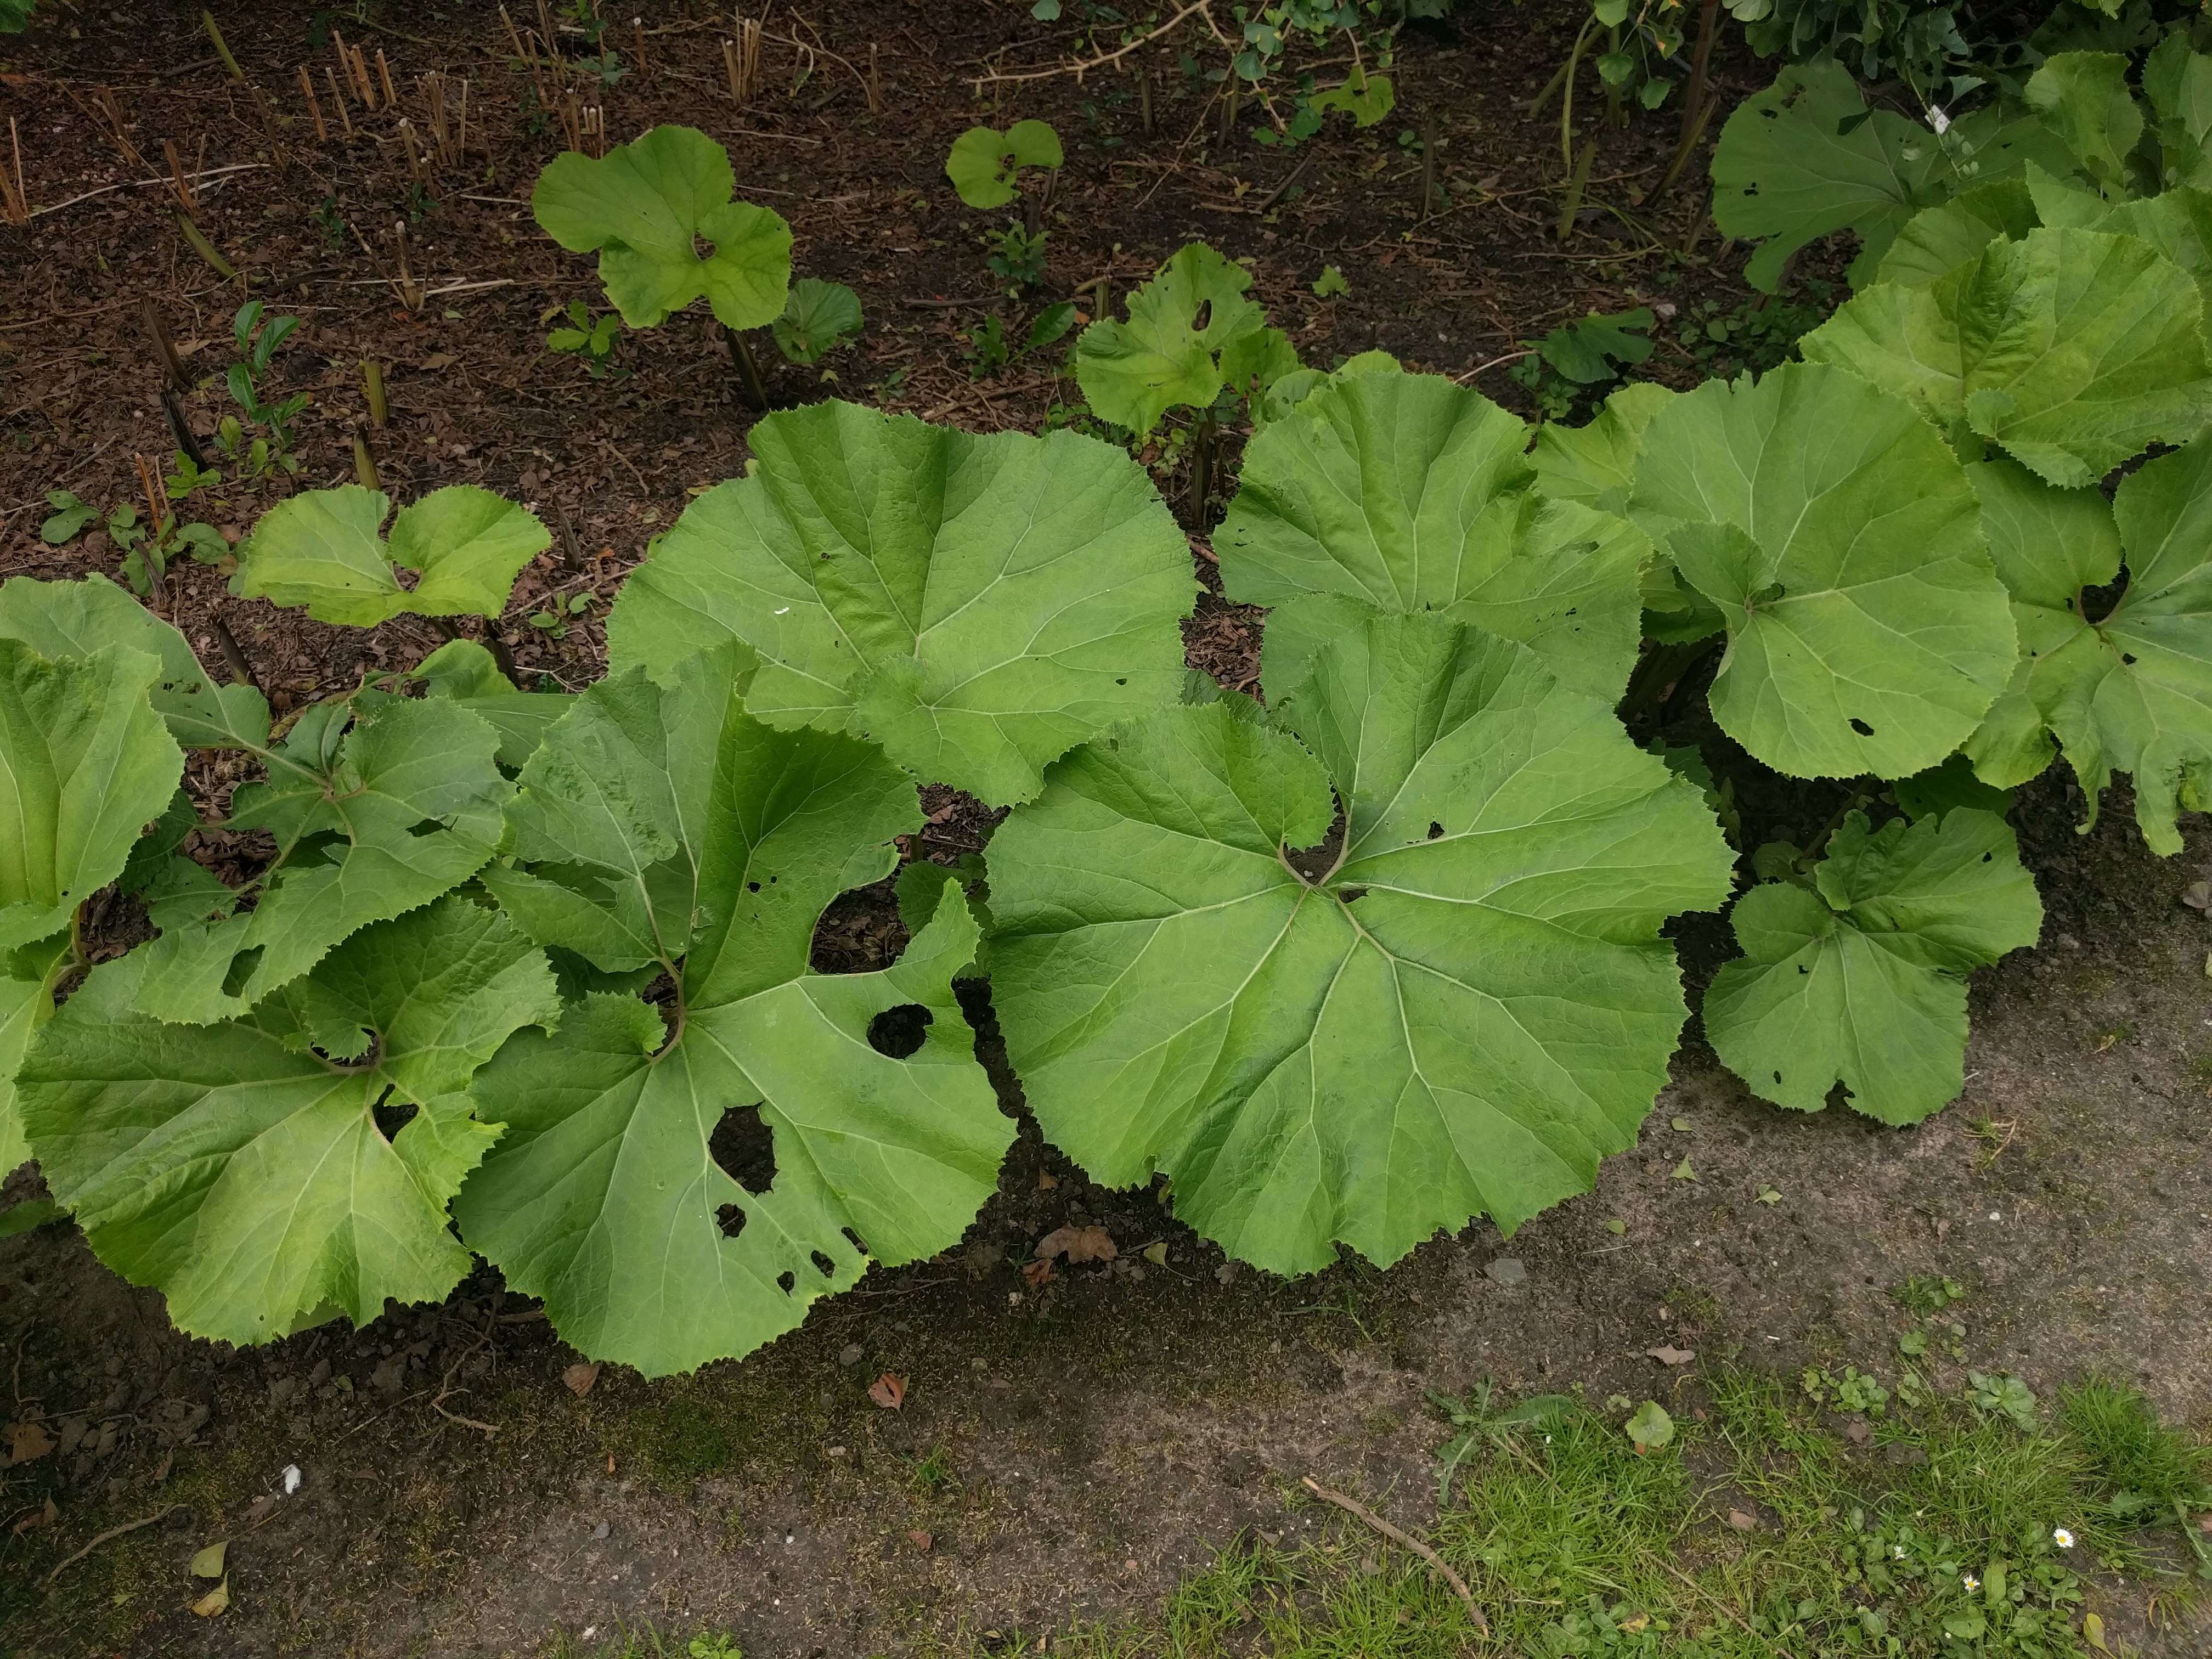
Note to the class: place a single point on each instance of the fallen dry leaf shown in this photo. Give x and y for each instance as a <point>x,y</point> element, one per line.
<point>208,1563</point>
<point>28,1441</point>
<point>1157,1253</point>
<point>1036,1273</point>
<point>214,1601</point>
<point>261,1509</point>
<point>580,1375</point>
<point>920,1540</point>
<point>1742,1522</point>
<point>1672,1355</point>
<point>1047,1181</point>
<point>1077,1244</point>
<point>44,1516</point>
<point>888,1391</point>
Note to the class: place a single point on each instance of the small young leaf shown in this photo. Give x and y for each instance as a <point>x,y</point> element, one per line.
<point>818,318</point>
<point>1330,284</point>
<point>321,549</point>
<point>1651,1428</point>
<point>985,164</point>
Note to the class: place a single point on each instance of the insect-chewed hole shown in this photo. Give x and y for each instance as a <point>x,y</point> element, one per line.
<point>1778,1077</point>
<point>824,1265</point>
<point>1202,318</point>
<point>1861,728</point>
<point>897,1032</point>
<point>1435,831</point>
<point>242,967</point>
<point>731,1219</point>
<point>392,1114</point>
<point>786,1281</point>
<point>744,1147</point>
<point>1350,894</point>
<point>428,827</point>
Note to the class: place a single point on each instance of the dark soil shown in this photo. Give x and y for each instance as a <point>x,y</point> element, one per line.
<point>1068,1439</point>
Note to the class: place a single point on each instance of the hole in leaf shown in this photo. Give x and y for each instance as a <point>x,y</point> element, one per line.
<point>853,1239</point>
<point>786,1281</point>
<point>2127,658</point>
<point>1778,1077</point>
<point>242,969</point>
<point>752,887</point>
<point>1986,857</point>
<point>824,1265</point>
<point>1435,831</point>
<point>744,1148</point>
<point>897,1032</point>
<point>1350,895</point>
<point>1803,969</point>
<point>428,827</point>
<point>701,248</point>
<point>1861,728</point>
<point>1202,318</point>
<point>1124,682</point>
<point>392,1114</point>
<point>731,1219</point>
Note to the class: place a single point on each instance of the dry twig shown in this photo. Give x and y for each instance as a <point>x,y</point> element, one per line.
<point>1352,1506</point>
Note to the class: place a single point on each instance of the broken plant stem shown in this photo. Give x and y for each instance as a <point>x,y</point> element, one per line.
<point>179,185</point>
<point>241,671</point>
<point>1201,469</point>
<point>165,348</point>
<point>748,370</point>
<point>315,106</point>
<point>180,431</point>
<point>372,383</point>
<point>208,251</point>
<point>221,47</point>
<point>15,204</point>
<point>364,465</point>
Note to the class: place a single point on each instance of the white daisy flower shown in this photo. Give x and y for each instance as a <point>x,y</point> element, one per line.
<point>1970,1583</point>
<point>2063,1538</point>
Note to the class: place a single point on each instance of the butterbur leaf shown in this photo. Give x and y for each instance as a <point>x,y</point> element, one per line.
<point>85,765</point>
<point>68,520</point>
<point>1806,158</point>
<point>77,618</point>
<point>1595,464</point>
<point>985,163</point>
<point>27,975</point>
<point>604,1194</point>
<point>2072,349</point>
<point>1585,351</point>
<point>369,821</point>
<point>1861,980</point>
<point>1461,1016</point>
<point>2083,97</point>
<point>322,549</point>
<point>2130,690</point>
<point>1939,240</point>
<point>818,318</point>
<point>975,604</point>
<point>657,212</point>
<point>1840,539</point>
<point>255,1181</point>
<point>2178,82</point>
<point>1409,493</point>
<point>1169,353</point>
<point>467,673</point>
<point>1365,98</point>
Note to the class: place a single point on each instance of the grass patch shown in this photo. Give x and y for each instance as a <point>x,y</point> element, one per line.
<point>1945,1531</point>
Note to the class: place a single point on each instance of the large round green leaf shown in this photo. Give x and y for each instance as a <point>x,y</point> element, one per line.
<point>1466,1011</point>
<point>985,163</point>
<point>1861,979</point>
<point>2130,689</point>
<point>1409,493</point>
<point>657,212</point>
<point>1190,331</point>
<point>977,604</point>
<point>261,1171</point>
<point>1838,538</point>
<point>669,816</point>
<point>2073,349</point>
<point>322,549</point>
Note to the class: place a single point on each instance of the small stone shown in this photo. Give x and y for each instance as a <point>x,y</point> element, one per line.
<point>851,1354</point>
<point>601,1530</point>
<point>1506,1270</point>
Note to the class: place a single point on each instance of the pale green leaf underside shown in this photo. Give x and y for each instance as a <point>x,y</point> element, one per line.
<point>409,809</point>
<point>1410,494</point>
<point>2073,349</point>
<point>245,1177</point>
<point>1839,537</point>
<point>975,604</point>
<point>1863,981</point>
<point>76,618</point>
<point>719,840</point>
<point>322,549</point>
<point>646,207</point>
<point>1463,1019</point>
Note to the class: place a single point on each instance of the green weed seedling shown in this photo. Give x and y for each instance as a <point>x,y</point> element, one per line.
<point>991,349</point>
<point>592,339</point>
<point>146,550</point>
<point>256,454</point>
<point>185,475</point>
